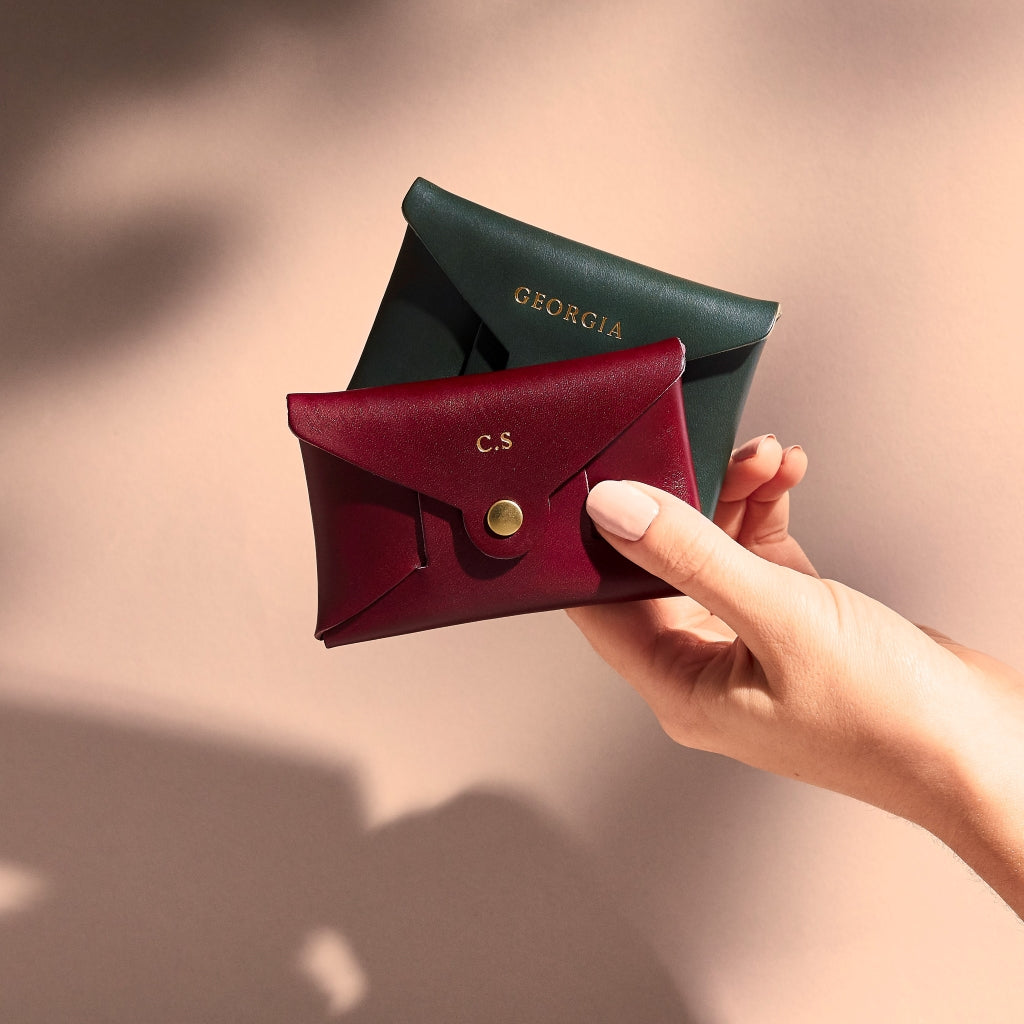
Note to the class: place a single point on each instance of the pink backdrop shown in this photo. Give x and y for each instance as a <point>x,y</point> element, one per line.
<point>203,814</point>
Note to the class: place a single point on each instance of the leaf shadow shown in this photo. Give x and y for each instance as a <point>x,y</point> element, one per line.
<point>182,876</point>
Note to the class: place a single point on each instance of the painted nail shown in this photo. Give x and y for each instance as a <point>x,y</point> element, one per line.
<point>621,509</point>
<point>750,449</point>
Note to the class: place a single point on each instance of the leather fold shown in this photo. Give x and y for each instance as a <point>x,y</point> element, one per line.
<point>350,503</point>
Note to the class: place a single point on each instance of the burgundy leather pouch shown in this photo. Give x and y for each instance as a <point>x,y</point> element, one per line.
<point>404,481</point>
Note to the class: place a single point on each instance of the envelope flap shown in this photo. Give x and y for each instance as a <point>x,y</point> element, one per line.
<point>472,441</point>
<point>534,286</point>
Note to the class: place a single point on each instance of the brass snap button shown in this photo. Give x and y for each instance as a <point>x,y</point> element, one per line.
<point>504,517</point>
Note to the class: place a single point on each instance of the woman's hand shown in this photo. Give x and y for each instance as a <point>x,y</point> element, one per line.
<point>804,677</point>
<point>753,507</point>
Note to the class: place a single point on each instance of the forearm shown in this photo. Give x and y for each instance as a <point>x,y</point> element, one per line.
<point>989,837</point>
<point>982,816</point>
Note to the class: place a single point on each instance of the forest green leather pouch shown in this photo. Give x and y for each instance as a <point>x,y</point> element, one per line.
<point>474,291</point>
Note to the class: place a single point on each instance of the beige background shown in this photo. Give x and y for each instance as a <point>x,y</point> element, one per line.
<point>204,816</point>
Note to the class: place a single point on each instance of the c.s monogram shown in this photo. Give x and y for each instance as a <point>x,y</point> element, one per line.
<point>503,444</point>
<point>555,307</point>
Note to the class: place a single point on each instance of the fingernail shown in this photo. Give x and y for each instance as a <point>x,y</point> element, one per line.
<point>621,509</point>
<point>789,451</point>
<point>750,449</point>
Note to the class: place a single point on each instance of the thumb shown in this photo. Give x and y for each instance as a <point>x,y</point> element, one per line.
<point>672,540</point>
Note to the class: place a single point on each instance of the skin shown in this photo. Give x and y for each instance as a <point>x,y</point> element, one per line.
<point>769,664</point>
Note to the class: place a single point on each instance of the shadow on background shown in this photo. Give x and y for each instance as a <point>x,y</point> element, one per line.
<point>57,56</point>
<point>65,293</point>
<point>877,48</point>
<point>68,290</point>
<point>182,879</point>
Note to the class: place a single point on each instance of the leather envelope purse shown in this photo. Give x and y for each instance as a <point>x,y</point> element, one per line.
<point>446,501</point>
<point>475,291</point>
